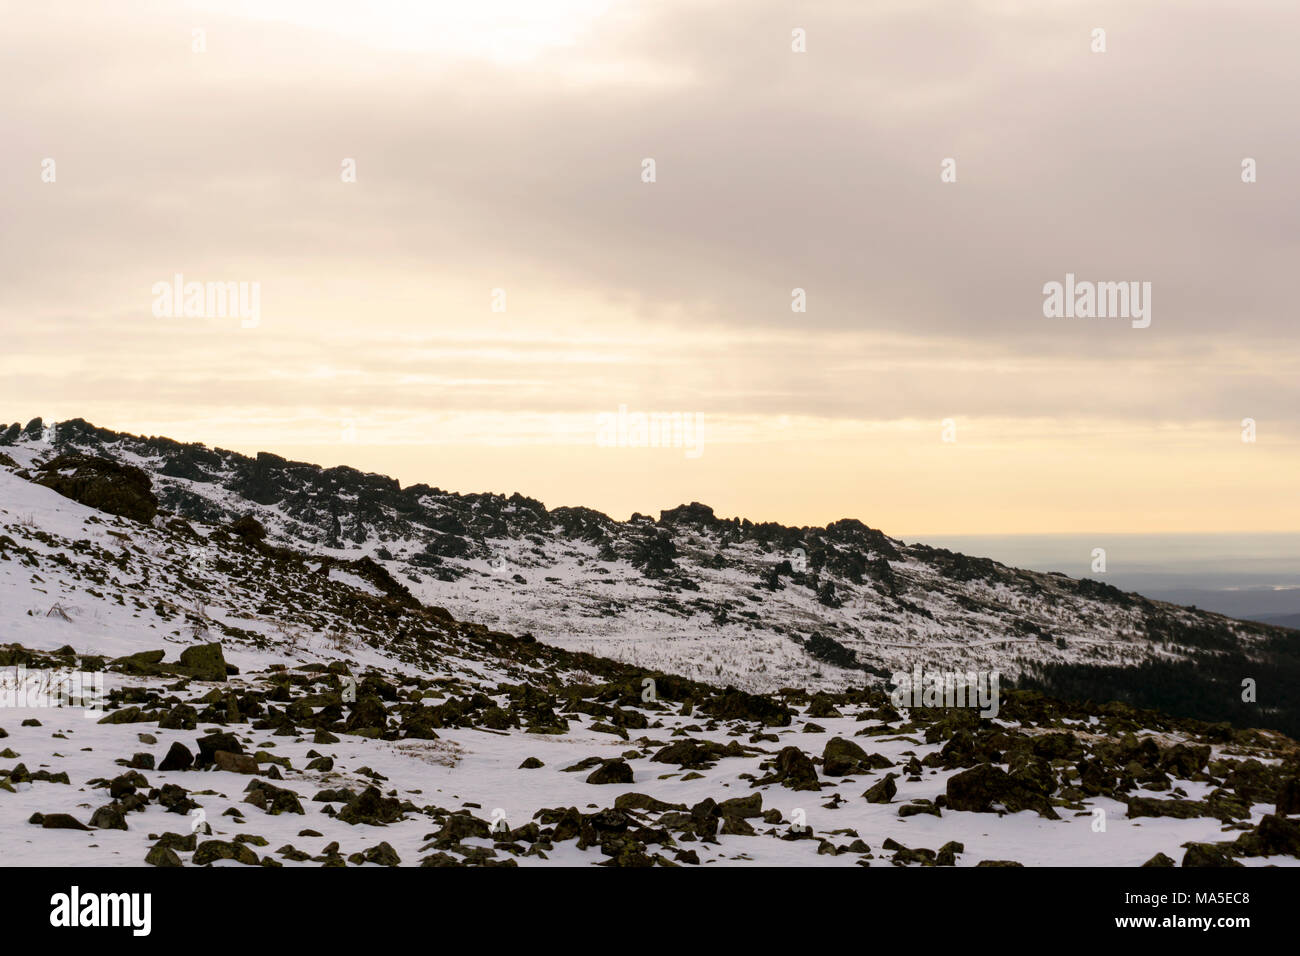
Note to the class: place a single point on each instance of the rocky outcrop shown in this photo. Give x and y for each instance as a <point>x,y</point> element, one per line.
<point>103,484</point>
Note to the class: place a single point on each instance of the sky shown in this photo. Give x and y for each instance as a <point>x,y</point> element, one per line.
<point>460,271</point>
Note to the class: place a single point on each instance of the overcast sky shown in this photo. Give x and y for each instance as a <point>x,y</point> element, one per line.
<point>499,145</point>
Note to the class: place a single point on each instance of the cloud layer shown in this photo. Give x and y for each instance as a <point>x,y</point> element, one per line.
<point>500,146</point>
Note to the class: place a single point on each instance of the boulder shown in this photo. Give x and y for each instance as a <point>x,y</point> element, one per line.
<point>884,791</point>
<point>99,483</point>
<point>371,807</point>
<point>178,757</point>
<point>203,662</point>
<point>234,763</point>
<point>209,745</point>
<point>611,771</point>
<point>842,757</point>
<point>61,821</point>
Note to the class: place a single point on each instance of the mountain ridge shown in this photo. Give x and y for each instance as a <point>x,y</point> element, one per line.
<point>757,605</point>
<point>274,703</point>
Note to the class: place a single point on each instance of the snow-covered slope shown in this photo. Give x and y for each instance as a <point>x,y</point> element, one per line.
<point>338,720</point>
<point>759,606</point>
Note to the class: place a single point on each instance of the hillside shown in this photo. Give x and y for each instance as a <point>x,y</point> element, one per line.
<point>276,705</point>
<point>755,605</point>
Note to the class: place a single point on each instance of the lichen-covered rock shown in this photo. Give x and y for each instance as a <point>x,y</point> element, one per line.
<point>371,807</point>
<point>842,757</point>
<point>981,787</point>
<point>793,769</point>
<point>883,791</point>
<point>204,662</point>
<point>178,757</point>
<point>210,851</point>
<point>109,486</point>
<point>162,856</point>
<point>109,817</point>
<point>611,771</point>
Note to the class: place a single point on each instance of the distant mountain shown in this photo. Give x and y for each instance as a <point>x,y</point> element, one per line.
<point>1282,620</point>
<point>725,600</point>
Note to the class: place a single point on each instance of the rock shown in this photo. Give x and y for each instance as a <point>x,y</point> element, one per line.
<point>174,841</point>
<point>1288,796</point>
<point>371,807</point>
<point>884,791</point>
<point>704,818</point>
<point>248,528</point>
<point>203,662</point>
<point>109,817</point>
<point>532,763</point>
<point>1275,836</point>
<point>274,800</point>
<point>639,801</point>
<point>209,851</point>
<point>1181,760</point>
<point>234,763</point>
<point>103,484</point>
<point>612,771</point>
<point>733,704</point>
<point>162,856</point>
<point>175,799</point>
<point>1253,781</point>
<point>178,757</point>
<point>459,826</point>
<point>689,753</point>
<point>367,714</point>
<point>737,826</point>
<point>841,757</point>
<point>145,663</point>
<point>1159,860</point>
<point>383,854</point>
<point>209,745</point>
<point>1178,809</point>
<point>905,855</point>
<point>979,788</point>
<point>743,807</point>
<point>339,795</point>
<point>127,783</point>
<point>61,821</point>
<point>1207,854</point>
<point>793,769</point>
<point>180,717</point>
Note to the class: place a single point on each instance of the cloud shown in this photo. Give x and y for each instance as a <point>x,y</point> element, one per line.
<point>500,146</point>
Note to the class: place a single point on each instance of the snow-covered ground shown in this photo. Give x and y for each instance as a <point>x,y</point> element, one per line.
<point>716,614</point>
<point>71,576</point>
